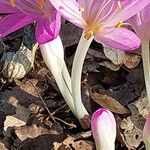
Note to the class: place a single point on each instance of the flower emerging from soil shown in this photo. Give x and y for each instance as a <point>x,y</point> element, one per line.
<point>103,126</point>
<point>19,13</point>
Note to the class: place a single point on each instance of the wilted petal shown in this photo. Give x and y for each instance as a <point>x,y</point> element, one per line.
<point>103,126</point>
<point>13,22</point>
<point>119,38</point>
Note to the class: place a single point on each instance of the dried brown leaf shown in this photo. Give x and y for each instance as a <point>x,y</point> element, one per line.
<point>131,60</point>
<point>131,128</point>
<point>109,103</point>
<point>116,56</point>
<point>18,119</point>
<point>70,34</point>
<point>69,143</point>
<point>110,65</point>
<point>34,131</point>
<point>2,146</point>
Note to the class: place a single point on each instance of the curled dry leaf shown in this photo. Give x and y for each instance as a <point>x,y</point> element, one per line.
<point>110,65</point>
<point>118,57</point>
<point>109,103</point>
<point>33,131</point>
<point>17,65</point>
<point>131,60</point>
<point>115,55</point>
<point>131,127</point>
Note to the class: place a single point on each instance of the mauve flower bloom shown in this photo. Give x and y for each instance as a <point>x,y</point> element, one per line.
<point>146,133</point>
<point>19,13</point>
<point>103,126</point>
<point>141,24</point>
<point>103,19</point>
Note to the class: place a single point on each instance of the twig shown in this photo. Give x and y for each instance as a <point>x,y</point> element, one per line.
<point>82,135</point>
<point>54,112</point>
<point>68,124</point>
<point>43,102</point>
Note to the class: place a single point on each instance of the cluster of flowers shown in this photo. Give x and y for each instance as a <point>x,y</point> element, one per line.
<point>100,20</point>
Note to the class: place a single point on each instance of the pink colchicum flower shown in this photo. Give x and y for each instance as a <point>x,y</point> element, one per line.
<point>103,126</point>
<point>141,24</point>
<point>102,21</point>
<point>19,13</point>
<point>146,133</point>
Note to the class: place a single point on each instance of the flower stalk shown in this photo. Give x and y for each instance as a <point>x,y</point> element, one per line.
<point>146,133</point>
<point>53,55</point>
<point>79,57</point>
<point>140,23</point>
<point>146,65</point>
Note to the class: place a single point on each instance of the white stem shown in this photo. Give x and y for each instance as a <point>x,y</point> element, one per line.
<point>79,57</point>
<point>67,78</point>
<point>65,92</point>
<point>147,146</point>
<point>106,146</point>
<point>146,65</point>
<point>53,56</point>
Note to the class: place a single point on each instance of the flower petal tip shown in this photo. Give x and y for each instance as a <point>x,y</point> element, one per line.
<point>103,126</point>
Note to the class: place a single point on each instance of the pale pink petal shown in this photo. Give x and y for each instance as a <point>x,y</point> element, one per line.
<point>128,9</point>
<point>119,38</point>
<point>96,10</point>
<point>70,10</point>
<point>103,126</point>
<point>141,22</point>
